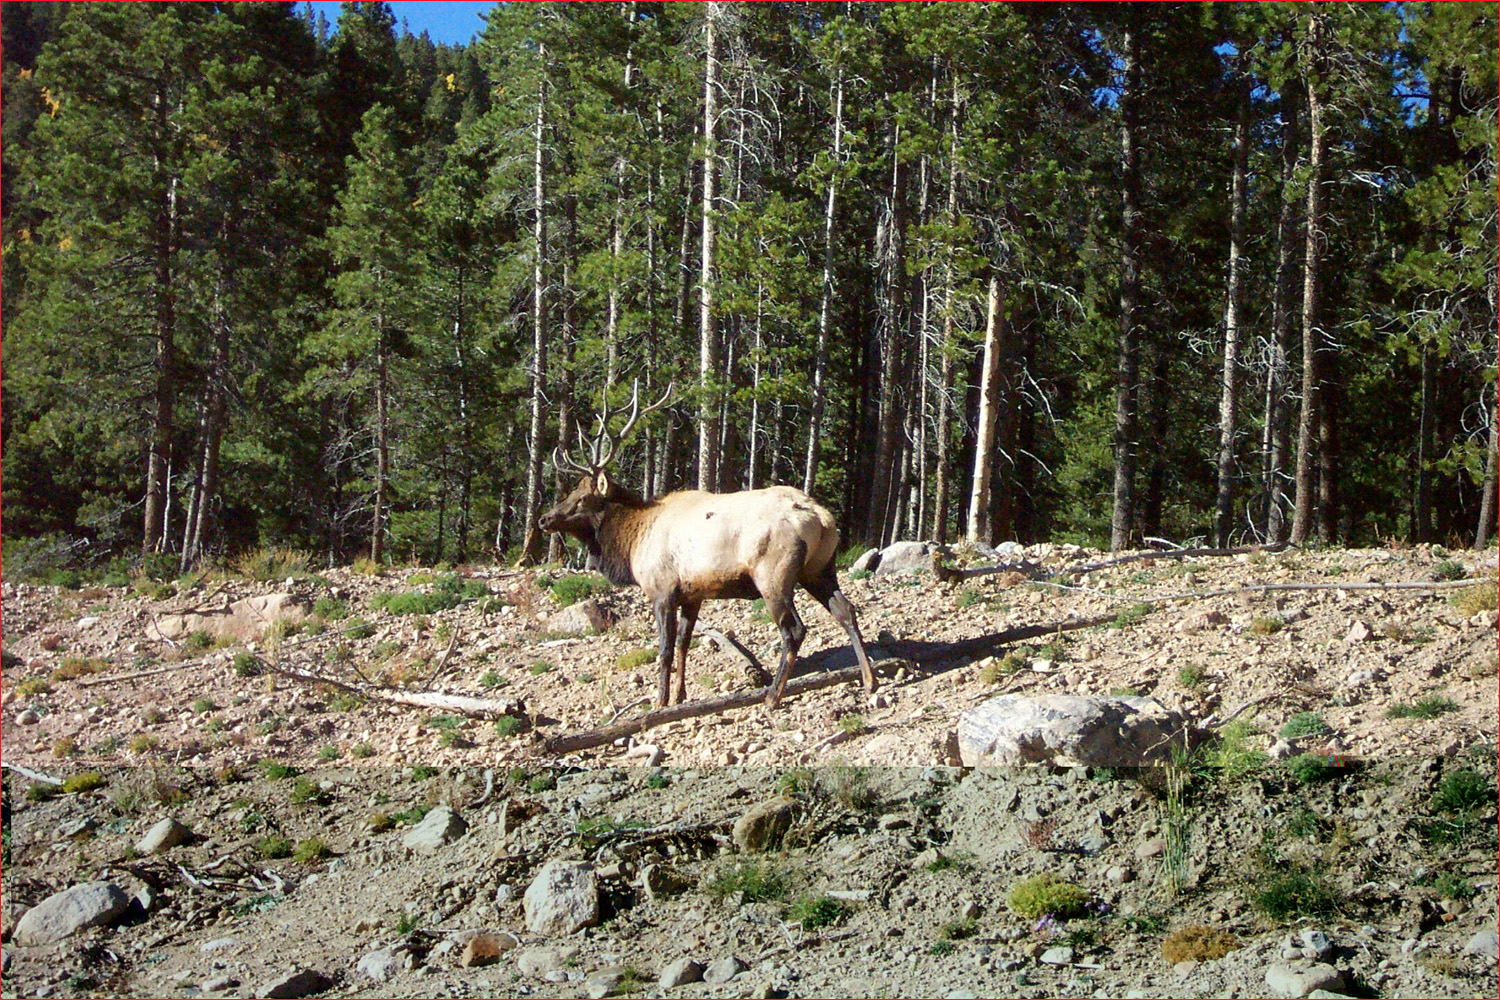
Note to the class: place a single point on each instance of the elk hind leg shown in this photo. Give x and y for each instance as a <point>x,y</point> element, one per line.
<point>776,585</point>
<point>666,635</point>
<point>825,590</point>
<point>687,618</point>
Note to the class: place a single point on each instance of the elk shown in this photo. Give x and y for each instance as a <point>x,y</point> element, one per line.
<point>688,547</point>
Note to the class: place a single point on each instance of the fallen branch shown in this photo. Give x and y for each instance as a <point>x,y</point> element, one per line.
<point>27,772</point>
<point>480,708</point>
<point>1172,554</point>
<point>137,674</point>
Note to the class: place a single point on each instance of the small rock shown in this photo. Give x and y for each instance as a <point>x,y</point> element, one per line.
<point>295,983</point>
<point>11,911</point>
<point>4,961</point>
<point>1119,873</point>
<point>382,964</point>
<point>28,717</point>
<point>1287,981</point>
<point>486,948</point>
<point>562,898</point>
<point>1282,750</point>
<point>65,913</point>
<point>437,828</point>
<point>219,984</point>
<point>164,836</point>
<point>1061,955</point>
<point>77,829</point>
<point>969,911</point>
<point>538,963</point>
<point>218,944</point>
<point>680,973</point>
<point>661,882</point>
<point>723,970</point>
<point>1185,968</point>
<point>1358,632</point>
<point>893,821</point>
<point>1485,943</point>
<point>1325,995</point>
<point>88,622</point>
<point>1315,944</point>
<point>763,825</point>
<point>1151,848</point>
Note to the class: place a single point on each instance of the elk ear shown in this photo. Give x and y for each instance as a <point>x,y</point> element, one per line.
<point>601,483</point>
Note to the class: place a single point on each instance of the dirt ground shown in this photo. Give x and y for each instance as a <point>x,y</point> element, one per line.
<point>897,870</point>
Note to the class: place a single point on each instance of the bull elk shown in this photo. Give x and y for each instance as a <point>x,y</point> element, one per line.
<point>688,547</point>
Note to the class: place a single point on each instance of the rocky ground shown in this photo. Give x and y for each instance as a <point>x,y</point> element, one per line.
<point>1378,879</point>
<point>233,826</point>
<point>1353,656</point>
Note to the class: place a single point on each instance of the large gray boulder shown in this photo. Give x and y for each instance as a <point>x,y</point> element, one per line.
<point>583,618</point>
<point>905,557</point>
<point>63,914</point>
<point>438,827</point>
<point>563,898</point>
<point>244,619</point>
<point>762,826</point>
<point>1069,730</point>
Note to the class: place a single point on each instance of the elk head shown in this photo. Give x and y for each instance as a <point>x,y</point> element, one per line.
<point>580,512</point>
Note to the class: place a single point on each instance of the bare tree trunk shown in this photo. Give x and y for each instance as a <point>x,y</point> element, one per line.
<point>1229,402</point>
<point>941,487</point>
<point>989,412</point>
<point>1307,423</point>
<point>1329,393</point>
<point>536,446</point>
<point>753,448</point>
<point>1127,367</point>
<point>1276,443</point>
<point>565,397</point>
<point>215,410</point>
<point>825,304</point>
<point>888,474</point>
<point>164,391</point>
<point>617,234</point>
<point>1421,507</point>
<point>708,342</point>
<point>1487,497</point>
<point>382,443</point>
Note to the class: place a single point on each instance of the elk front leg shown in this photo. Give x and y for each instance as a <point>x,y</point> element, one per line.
<point>687,618</point>
<point>666,636</point>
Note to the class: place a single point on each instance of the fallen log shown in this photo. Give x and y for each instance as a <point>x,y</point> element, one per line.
<point>462,704</point>
<point>899,653</point>
<point>1171,554</point>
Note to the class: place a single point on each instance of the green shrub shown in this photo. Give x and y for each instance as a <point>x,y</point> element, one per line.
<point>1190,675</point>
<point>1267,625</point>
<point>755,880</point>
<point>310,850</point>
<point>358,628</point>
<point>489,680</point>
<point>33,686</point>
<point>270,563</point>
<point>1292,892</point>
<point>413,602</point>
<point>544,782</point>
<point>1429,707</point>
<point>1304,724</point>
<point>1460,791</point>
<point>636,658</point>
<point>657,780</point>
<point>1449,569</point>
<point>274,770</point>
<point>539,667</point>
<point>957,930</point>
<point>1232,754</point>
<point>306,792</point>
<point>1133,615</point>
<point>203,706</point>
<point>509,725</point>
<point>247,664</point>
<point>331,609</point>
<point>817,911</point>
<point>329,752</point>
<point>83,781</point>
<point>1044,894</point>
<point>362,750</point>
<point>198,641</point>
<point>274,845</point>
<point>574,587</point>
<point>1309,768</point>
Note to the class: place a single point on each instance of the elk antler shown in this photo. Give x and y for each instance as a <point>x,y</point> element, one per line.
<point>610,443</point>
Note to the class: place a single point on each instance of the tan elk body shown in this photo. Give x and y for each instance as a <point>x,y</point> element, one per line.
<point>689,547</point>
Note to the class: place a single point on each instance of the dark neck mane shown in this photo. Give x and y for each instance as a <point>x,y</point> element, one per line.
<point>617,533</point>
